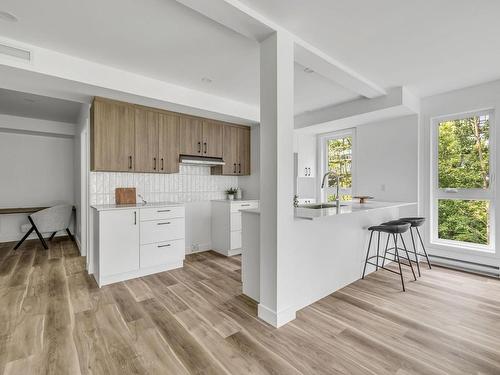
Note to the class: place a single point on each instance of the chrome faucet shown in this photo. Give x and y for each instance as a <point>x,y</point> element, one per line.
<point>143,200</point>
<point>337,183</point>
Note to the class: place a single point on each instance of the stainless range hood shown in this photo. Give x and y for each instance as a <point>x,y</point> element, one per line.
<point>200,160</point>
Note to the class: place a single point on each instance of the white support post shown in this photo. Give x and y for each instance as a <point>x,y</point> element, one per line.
<point>276,179</point>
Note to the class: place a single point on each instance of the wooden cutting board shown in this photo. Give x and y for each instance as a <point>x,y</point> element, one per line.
<point>125,195</point>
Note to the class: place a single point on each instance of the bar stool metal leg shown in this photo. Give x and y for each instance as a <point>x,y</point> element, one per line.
<point>378,247</point>
<point>367,254</point>
<point>415,250</point>
<point>423,248</point>
<point>408,256</point>
<point>385,252</point>
<point>399,262</point>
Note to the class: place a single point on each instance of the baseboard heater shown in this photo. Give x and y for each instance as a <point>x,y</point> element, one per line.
<point>462,265</point>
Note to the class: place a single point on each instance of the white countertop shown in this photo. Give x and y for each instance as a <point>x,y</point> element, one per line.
<point>107,207</point>
<point>349,208</point>
<point>234,200</point>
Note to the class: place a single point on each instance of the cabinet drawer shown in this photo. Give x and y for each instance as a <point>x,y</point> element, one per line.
<point>236,221</point>
<point>237,206</point>
<point>162,230</point>
<point>156,254</point>
<point>236,240</point>
<point>161,213</point>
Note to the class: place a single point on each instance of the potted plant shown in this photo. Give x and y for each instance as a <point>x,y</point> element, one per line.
<point>231,193</point>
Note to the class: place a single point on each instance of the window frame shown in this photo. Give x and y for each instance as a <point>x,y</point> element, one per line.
<point>323,158</point>
<point>437,193</point>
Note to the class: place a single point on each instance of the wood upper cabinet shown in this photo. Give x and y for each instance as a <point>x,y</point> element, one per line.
<point>244,151</point>
<point>191,136</point>
<point>230,152</point>
<point>112,136</point>
<point>133,138</point>
<point>146,141</point>
<point>212,139</point>
<point>169,136</point>
<point>236,151</point>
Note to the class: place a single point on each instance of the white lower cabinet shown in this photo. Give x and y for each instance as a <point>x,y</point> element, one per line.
<point>226,225</point>
<point>119,235</point>
<point>135,242</point>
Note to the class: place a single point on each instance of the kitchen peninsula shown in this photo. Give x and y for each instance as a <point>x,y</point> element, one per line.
<point>329,246</point>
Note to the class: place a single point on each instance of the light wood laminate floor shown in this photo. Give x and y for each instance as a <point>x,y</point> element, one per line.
<point>54,320</point>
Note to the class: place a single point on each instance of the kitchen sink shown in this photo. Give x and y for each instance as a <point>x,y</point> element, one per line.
<point>320,206</point>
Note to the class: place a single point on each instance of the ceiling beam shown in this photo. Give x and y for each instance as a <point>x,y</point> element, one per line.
<point>251,24</point>
<point>56,74</point>
<point>398,102</point>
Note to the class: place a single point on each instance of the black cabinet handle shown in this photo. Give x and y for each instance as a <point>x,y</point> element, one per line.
<point>130,162</point>
<point>199,147</point>
<point>245,205</point>
<point>205,145</point>
<point>167,245</point>
<point>163,211</point>
<point>154,164</point>
<point>162,164</point>
<point>234,170</point>
<point>135,217</point>
<point>168,222</point>
<point>239,166</point>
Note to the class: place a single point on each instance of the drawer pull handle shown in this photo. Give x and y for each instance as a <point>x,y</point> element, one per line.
<point>163,211</point>
<point>167,245</point>
<point>168,222</point>
<point>245,205</point>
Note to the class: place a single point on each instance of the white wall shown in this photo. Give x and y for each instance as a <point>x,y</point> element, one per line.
<point>80,177</point>
<point>250,185</point>
<point>387,159</point>
<point>480,97</point>
<point>36,171</point>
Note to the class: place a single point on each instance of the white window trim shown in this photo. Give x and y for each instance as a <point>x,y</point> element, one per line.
<point>323,164</point>
<point>473,194</point>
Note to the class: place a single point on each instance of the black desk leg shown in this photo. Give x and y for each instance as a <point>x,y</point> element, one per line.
<point>25,236</point>
<point>40,237</point>
<point>70,235</point>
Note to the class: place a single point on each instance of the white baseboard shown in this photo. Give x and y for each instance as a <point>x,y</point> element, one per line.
<point>276,319</point>
<point>105,280</point>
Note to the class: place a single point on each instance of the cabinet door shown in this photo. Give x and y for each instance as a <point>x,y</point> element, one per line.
<point>191,136</point>
<point>306,155</point>
<point>243,151</point>
<point>112,136</point>
<point>212,139</point>
<point>230,150</point>
<point>146,141</point>
<point>118,241</point>
<point>168,143</point>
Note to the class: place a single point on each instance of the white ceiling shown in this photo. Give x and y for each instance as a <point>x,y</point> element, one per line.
<point>17,103</point>
<point>160,39</point>
<point>428,46</point>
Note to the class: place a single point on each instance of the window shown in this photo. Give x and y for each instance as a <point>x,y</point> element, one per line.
<point>463,191</point>
<point>337,155</point>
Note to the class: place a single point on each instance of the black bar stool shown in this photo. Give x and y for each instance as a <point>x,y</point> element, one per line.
<point>392,230</point>
<point>414,222</point>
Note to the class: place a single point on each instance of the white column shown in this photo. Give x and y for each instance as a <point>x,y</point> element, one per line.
<point>276,175</point>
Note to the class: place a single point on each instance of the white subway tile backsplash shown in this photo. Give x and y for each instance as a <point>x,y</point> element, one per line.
<point>191,184</point>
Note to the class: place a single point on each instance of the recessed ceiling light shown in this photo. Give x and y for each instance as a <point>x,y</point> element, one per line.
<point>308,70</point>
<point>206,80</point>
<point>6,16</point>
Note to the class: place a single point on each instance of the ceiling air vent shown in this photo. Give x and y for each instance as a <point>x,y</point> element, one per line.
<point>14,52</point>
